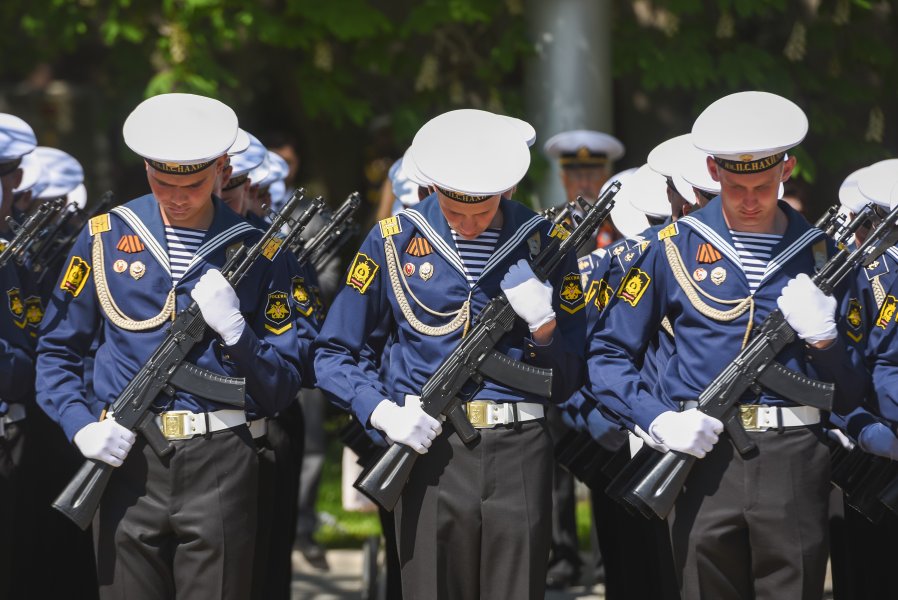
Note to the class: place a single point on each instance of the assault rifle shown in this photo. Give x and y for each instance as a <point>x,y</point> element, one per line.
<point>476,358</point>
<point>25,234</point>
<point>167,369</point>
<point>332,232</point>
<point>663,475</point>
<point>49,253</point>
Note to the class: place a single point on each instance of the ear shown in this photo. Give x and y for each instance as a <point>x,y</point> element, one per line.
<point>788,167</point>
<point>17,178</point>
<point>220,164</point>
<point>713,168</point>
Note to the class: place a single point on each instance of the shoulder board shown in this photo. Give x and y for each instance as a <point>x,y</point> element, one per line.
<point>99,224</point>
<point>390,226</point>
<point>668,232</point>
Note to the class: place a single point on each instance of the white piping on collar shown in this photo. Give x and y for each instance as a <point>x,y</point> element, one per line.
<point>510,244</point>
<point>715,238</point>
<point>778,262</point>
<point>215,243</point>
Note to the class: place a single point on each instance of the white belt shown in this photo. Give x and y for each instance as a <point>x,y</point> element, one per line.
<point>759,417</point>
<point>485,414</point>
<point>183,424</point>
<point>14,414</point>
<point>258,428</point>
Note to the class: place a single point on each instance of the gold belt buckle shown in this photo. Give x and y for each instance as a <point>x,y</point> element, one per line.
<point>749,415</point>
<point>176,425</point>
<point>478,413</point>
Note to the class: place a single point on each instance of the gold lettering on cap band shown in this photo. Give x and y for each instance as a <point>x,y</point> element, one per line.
<point>236,181</point>
<point>466,198</point>
<point>178,168</point>
<point>583,157</point>
<point>750,166</point>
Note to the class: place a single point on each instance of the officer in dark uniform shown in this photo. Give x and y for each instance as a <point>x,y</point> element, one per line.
<point>16,355</point>
<point>183,525</point>
<point>472,521</point>
<point>755,525</point>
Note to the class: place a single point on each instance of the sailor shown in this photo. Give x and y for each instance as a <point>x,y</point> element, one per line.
<point>713,276</point>
<point>17,140</point>
<point>184,524</point>
<point>472,521</point>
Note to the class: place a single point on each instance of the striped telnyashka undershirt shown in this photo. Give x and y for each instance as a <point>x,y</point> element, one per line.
<point>755,250</point>
<point>475,253</point>
<point>182,246</point>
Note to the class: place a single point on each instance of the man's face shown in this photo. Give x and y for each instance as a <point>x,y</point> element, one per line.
<point>235,198</point>
<point>584,181</point>
<point>749,199</point>
<point>185,199</point>
<point>9,182</point>
<point>469,220</point>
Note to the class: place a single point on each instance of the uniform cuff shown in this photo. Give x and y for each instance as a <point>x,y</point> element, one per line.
<point>75,418</point>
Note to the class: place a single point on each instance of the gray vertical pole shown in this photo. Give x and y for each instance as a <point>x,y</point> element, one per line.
<point>568,80</point>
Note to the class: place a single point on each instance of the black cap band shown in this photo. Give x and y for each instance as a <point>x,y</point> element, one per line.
<point>748,165</point>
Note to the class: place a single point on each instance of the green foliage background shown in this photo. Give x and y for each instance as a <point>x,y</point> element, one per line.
<point>355,78</point>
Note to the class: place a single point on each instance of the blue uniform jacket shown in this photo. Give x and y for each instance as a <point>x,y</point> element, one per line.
<point>870,327</point>
<point>16,345</point>
<point>432,272</point>
<point>267,353</point>
<point>703,347</point>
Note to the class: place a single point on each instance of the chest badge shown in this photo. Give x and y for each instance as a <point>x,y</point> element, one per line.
<point>75,276</point>
<point>130,244</point>
<point>886,312</point>
<point>419,246</point>
<point>634,286</point>
<point>718,275</point>
<point>137,270</point>
<point>707,254</point>
<point>119,266</point>
<point>362,272</point>
<point>700,274</point>
<point>34,311</point>
<point>408,269</point>
<point>425,271</point>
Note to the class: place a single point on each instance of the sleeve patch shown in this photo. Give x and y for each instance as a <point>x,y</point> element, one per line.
<point>390,226</point>
<point>634,285</point>
<point>277,311</point>
<point>668,232</point>
<point>75,276</point>
<point>600,292</point>
<point>362,272</point>
<point>301,297</point>
<point>571,293</point>
<point>99,224</point>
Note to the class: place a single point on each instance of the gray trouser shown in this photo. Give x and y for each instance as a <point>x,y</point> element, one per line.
<point>180,527</point>
<point>755,527</point>
<point>476,522</point>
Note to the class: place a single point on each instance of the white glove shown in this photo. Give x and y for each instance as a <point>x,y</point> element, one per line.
<point>650,441</point>
<point>841,438</point>
<point>408,425</point>
<point>690,431</point>
<point>220,306</point>
<point>530,298</point>
<point>105,440</point>
<point>810,312</point>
